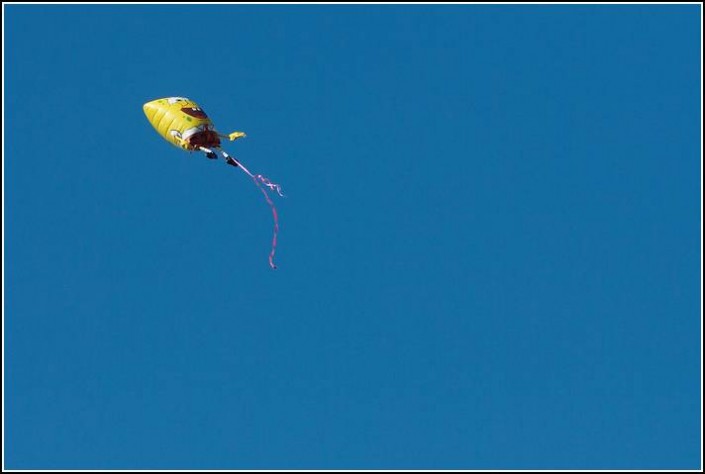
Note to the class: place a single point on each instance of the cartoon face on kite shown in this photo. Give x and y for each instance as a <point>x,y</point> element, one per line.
<point>184,124</point>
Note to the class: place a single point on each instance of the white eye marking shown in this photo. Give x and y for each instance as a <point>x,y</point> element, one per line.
<point>173,100</point>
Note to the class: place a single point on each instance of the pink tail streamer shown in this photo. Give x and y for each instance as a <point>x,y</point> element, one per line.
<point>260,181</point>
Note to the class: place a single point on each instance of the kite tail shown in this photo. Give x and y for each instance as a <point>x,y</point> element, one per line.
<point>260,179</point>
<point>261,183</point>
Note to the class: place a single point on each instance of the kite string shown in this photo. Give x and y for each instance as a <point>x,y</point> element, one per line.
<point>262,179</point>
<point>276,221</point>
<point>259,181</point>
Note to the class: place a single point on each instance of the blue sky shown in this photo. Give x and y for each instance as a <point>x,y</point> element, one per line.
<point>489,253</point>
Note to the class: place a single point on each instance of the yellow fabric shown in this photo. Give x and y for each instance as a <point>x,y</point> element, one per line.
<point>166,115</point>
<point>235,135</point>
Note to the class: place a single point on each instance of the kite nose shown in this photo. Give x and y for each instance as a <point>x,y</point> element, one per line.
<point>154,111</point>
<point>150,108</point>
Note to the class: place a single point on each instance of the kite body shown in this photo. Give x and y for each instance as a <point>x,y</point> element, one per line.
<point>181,122</point>
<point>184,124</point>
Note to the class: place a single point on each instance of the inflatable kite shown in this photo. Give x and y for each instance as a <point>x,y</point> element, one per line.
<point>183,123</point>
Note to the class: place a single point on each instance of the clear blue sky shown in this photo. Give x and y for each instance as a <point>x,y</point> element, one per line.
<point>489,253</point>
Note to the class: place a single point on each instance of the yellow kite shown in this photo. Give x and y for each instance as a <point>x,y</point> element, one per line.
<point>183,123</point>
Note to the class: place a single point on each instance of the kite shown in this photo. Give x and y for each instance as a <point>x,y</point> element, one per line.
<point>183,123</point>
